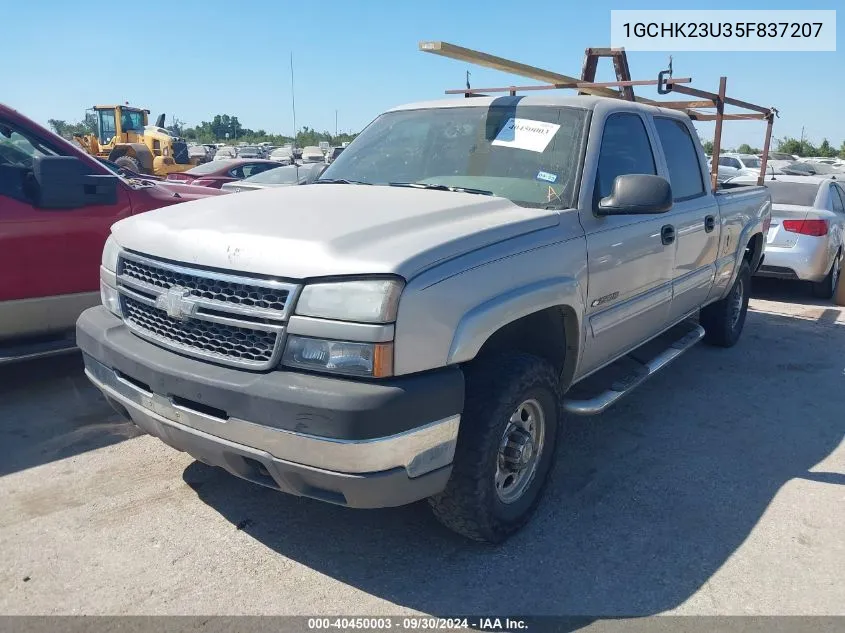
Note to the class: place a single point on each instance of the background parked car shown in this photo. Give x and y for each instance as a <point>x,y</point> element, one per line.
<point>217,172</point>
<point>283,155</point>
<point>313,154</point>
<point>333,153</point>
<point>732,165</point>
<point>199,153</point>
<point>58,204</point>
<point>806,240</point>
<point>226,152</point>
<point>808,168</point>
<point>278,177</point>
<point>250,151</point>
<point>778,160</point>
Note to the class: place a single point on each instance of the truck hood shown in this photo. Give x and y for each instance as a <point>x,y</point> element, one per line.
<point>329,229</point>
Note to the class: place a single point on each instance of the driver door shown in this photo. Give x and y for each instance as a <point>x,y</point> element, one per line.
<point>629,265</point>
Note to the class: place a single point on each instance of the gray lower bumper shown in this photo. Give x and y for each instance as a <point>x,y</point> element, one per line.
<point>384,488</point>
<point>394,469</point>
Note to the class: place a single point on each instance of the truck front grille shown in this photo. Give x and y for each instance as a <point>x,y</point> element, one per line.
<point>217,290</point>
<point>220,317</point>
<point>225,342</point>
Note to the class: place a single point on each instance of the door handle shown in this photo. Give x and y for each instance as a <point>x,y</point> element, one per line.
<point>709,223</point>
<point>667,234</point>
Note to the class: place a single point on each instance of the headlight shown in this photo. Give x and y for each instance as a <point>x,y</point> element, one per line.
<point>363,301</point>
<point>110,298</point>
<point>341,357</point>
<point>110,253</point>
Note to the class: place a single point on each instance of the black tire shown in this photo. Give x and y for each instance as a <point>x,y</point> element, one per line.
<point>826,288</point>
<point>470,505</point>
<point>721,323</point>
<point>129,162</point>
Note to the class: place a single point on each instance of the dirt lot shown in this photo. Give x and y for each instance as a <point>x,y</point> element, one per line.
<point>717,488</point>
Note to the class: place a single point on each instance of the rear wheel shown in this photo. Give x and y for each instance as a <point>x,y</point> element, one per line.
<point>129,162</point>
<point>505,447</point>
<point>723,321</point>
<point>826,288</point>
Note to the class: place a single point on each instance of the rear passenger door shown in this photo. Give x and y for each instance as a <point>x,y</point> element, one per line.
<point>694,216</point>
<point>629,267</point>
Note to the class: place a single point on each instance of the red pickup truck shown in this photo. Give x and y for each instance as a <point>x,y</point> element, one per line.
<point>56,206</point>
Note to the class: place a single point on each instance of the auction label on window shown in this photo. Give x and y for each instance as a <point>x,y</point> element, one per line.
<point>526,134</point>
<point>745,30</point>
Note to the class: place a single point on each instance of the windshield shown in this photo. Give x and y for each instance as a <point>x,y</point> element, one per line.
<point>248,150</point>
<point>798,193</point>
<point>279,176</point>
<point>753,163</point>
<point>206,168</point>
<point>280,152</point>
<point>527,154</point>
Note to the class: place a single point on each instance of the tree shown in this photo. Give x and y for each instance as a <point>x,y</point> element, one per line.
<point>176,127</point>
<point>708,147</point>
<point>745,148</point>
<point>826,150</point>
<point>59,126</point>
<point>842,150</point>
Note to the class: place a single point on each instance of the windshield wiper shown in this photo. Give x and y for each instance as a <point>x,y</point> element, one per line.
<point>436,187</point>
<point>340,181</point>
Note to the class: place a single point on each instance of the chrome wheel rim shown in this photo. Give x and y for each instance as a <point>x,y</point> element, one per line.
<point>519,451</point>
<point>736,302</point>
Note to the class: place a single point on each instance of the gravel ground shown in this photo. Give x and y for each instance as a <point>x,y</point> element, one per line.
<point>717,488</point>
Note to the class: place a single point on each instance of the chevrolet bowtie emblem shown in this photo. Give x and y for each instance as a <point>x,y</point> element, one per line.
<point>176,303</point>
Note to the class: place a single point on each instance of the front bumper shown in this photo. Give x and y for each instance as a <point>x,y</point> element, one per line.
<point>303,434</point>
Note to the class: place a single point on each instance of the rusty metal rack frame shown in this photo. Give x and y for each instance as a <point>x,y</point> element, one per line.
<point>665,83</point>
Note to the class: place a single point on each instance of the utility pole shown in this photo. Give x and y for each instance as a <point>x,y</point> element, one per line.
<point>802,140</point>
<point>335,125</point>
<point>292,100</point>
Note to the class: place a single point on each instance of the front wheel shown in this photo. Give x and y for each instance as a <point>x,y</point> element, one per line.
<point>505,448</point>
<point>723,321</point>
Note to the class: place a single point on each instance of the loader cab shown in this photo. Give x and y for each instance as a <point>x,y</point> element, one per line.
<point>113,122</point>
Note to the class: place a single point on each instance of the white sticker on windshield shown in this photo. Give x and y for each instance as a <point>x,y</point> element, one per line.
<point>526,134</point>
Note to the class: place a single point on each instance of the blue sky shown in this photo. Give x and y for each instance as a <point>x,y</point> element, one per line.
<point>196,59</point>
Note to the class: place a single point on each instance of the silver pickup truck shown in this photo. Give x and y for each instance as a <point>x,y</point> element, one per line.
<point>419,323</point>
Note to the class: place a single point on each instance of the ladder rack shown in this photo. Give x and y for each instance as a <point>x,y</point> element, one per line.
<point>587,85</point>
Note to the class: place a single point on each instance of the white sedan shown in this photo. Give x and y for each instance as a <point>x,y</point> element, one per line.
<point>807,234</point>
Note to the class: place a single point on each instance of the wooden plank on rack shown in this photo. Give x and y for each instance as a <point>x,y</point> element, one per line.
<point>453,51</point>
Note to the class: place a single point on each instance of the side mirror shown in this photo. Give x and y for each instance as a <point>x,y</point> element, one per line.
<point>64,182</point>
<point>636,194</point>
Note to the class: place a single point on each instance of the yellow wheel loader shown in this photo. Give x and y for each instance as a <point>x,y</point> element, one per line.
<point>125,138</point>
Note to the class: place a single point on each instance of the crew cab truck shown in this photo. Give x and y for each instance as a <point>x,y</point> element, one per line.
<point>56,207</point>
<point>411,325</point>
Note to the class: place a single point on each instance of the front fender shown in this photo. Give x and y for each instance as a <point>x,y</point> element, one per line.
<point>482,321</point>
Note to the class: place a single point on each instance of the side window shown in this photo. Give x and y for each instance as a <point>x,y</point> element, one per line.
<point>625,149</point>
<point>681,158</point>
<point>237,172</point>
<point>724,162</point>
<point>735,163</point>
<point>256,168</point>
<point>836,199</point>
